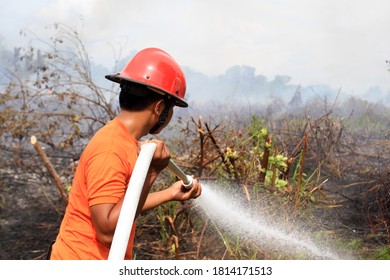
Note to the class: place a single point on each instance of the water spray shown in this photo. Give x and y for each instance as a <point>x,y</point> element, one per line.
<point>187,180</point>
<point>259,228</point>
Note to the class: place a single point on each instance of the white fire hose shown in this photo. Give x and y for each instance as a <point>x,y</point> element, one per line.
<point>187,180</point>
<point>132,196</point>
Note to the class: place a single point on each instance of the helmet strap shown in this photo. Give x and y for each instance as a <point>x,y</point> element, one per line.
<point>163,117</point>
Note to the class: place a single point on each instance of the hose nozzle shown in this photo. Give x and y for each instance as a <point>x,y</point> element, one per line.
<point>187,180</point>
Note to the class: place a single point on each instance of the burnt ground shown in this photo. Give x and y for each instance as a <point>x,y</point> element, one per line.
<point>31,209</point>
<point>29,217</point>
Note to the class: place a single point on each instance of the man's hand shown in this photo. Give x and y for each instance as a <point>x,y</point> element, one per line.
<point>180,193</point>
<point>175,192</point>
<point>161,156</point>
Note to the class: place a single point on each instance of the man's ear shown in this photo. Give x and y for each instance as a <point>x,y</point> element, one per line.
<point>159,107</point>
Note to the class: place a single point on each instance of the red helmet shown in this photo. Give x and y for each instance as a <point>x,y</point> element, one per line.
<point>157,70</point>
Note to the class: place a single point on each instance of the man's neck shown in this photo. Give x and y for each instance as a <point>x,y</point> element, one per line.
<point>135,122</point>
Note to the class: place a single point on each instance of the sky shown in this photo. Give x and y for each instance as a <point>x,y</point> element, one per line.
<point>340,43</point>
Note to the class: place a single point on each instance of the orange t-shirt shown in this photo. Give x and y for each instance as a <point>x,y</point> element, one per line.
<point>102,176</point>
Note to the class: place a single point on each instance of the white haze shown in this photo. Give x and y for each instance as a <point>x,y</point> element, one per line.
<point>343,44</point>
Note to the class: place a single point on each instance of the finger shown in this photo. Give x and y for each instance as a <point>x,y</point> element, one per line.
<point>199,189</point>
<point>196,190</point>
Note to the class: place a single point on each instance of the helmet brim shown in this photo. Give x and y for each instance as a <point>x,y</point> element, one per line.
<point>176,100</point>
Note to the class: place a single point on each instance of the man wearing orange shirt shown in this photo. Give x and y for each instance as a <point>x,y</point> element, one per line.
<point>151,84</point>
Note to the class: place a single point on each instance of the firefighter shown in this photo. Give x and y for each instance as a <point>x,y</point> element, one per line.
<point>151,84</point>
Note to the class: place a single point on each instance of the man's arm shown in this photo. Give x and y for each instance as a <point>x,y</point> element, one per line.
<point>105,216</point>
<point>174,193</point>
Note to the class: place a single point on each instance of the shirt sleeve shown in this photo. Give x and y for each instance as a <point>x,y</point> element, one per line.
<point>107,176</point>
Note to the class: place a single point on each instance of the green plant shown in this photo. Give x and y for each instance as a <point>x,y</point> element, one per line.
<point>382,253</point>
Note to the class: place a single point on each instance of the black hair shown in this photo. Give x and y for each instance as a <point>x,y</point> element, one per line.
<point>136,97</point>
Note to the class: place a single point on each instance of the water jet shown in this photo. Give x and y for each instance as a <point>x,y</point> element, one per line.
<point>234,217</point>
